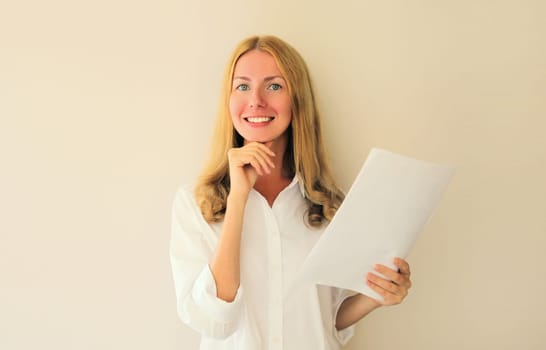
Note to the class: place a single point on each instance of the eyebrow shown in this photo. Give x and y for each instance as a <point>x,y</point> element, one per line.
<point>265,79</point>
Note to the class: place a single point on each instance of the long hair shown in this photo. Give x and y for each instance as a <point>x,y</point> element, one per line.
<point>305,156</point>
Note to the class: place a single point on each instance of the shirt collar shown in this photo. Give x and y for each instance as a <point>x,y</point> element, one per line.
<point>299,183</point>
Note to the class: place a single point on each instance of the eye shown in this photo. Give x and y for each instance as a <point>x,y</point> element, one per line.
<point>275,87</point>
<point>242,87</point>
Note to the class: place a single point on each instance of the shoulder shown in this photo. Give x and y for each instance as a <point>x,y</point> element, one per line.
<point>187,219</point>
<point>184,200</point>
<point>184,191</point>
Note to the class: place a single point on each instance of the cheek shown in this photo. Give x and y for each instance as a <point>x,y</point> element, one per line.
<point>285,106</point>
<point>235,106</point>
<point>289,109</point>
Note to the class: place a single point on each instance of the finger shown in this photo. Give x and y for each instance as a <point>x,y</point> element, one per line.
<point>258,166</point>
<point>262,160</point>
<point>402,265</point>
<point>388,297</point>
<point>389,273</point>
<point>239,157</point>
<point>266,154</point>
<point>246,156</point>
<point>392,294</point>
<point>254,154</point>
<point>260,151</point>
<point>383,283</point>
<point>267,148</point>
<point>385,294</point>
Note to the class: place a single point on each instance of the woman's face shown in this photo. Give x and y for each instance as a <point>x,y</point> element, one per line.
<point>259,103</point>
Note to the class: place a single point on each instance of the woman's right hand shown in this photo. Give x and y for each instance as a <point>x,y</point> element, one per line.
<point>246,164</point>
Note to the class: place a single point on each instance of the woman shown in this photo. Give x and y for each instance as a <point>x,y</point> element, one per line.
<point>260,205</point>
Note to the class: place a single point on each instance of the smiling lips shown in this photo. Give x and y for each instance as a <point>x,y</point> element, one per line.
<point>259,120</point>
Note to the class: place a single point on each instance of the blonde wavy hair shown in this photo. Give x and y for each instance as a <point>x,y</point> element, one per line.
<point>305,156</point>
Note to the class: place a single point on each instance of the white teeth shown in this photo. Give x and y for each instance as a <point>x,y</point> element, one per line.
<point>259,119</point>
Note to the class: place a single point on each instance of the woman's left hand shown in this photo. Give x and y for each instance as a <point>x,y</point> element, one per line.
<point>394,288</point>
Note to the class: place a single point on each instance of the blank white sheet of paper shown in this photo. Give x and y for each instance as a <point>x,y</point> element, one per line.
<point>385,209</point>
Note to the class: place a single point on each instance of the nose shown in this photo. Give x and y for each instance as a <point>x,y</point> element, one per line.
<point>257,99</point>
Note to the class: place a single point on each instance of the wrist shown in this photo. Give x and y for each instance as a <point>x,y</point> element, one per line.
<point>353,309</point>
<point>237,197</point>
<point>368,303</point>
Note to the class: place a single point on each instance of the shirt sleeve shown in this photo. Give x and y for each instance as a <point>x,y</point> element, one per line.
<point>343,336</point>
<point>191,247</point>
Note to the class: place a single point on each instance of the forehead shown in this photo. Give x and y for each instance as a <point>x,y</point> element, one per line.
<point>256,63</point>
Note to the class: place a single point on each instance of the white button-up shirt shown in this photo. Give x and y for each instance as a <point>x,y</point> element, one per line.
<point>271,309</point>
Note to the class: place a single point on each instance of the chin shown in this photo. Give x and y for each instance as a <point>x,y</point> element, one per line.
<point>253,138</point>
<point>264,138</point>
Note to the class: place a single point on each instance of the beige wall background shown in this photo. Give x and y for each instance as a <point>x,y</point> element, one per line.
<point>106,108</point>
